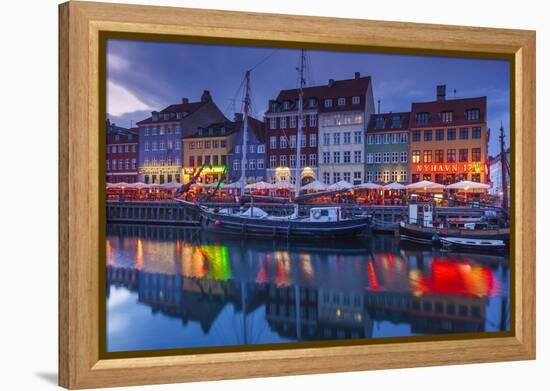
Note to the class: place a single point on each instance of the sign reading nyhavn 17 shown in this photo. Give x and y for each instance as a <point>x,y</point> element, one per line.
<point>467,167</point>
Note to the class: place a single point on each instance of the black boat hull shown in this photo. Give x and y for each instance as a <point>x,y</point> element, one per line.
<point>238,225</point>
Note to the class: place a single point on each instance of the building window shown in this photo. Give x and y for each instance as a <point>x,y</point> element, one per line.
<point>251,164</point>
<point>273,142</point>
<point>261,148</point>
<point>403,157</point>
<point>428,156</point>
<point>386,157</point>
<point>394,176</point>
<point>223,143</point>
<point>415,178</point>
<point>395,138</point>
<point>147,131</point>
<point>282,160</point>
<point>357,156</point>
<point>355,100</point>
<point>236,164</point>
<point>380,123</point>
<point>326,157</point>
<point>370,158</point>
<point>394,157</point>
<point>326,138</point>
<point>347,176</point>
<point>293,141</point>
<point>476,178</point>
<point>272,161</point>
<point>378,157</point>
<point>472,114</point>
<point>283,122</point>
<point>369,176</point>
<point>447,116</point>
<point>347,156</point>
<point>292,161</point>
<point>313,160</point>
<point>326,178</point>
<point>422,118</point>
<point>427,135</point>
<point>439,156</point>
<point>341,101</point>
<point>476,132</point>
<point>260,164</point>
<point>404,176</point>
<point>387,138</point>
<point>108,165</point>
<point>252,148</point>
<point>416,156</point>
<point>114,165</point>
<point>273,123</point>
<point>404,138</point>
<point>416,135</point>
<point>336,138</point>
<point>178,145</point>
<point>302,160</point>
<point>292,121</point>
<point>303,141</point>
<point>336,177</point>
<point>328,102</point>
<point>463,155</point>
<point>396,122</point>
<point>347,137</point>
<point>370,140</point>
<point>357,139</point>
<point>282,142</point>
<point>146,147</point>
<point>464,133</point>
<point>312,120</point>
<point>336,157</point>
<point>386,176</point>
<point>476,154</point>
<point>451,155</point>
<point>237,149</point>
<point>439,135</point>
<point>378,139</point>
<point>451,134</point>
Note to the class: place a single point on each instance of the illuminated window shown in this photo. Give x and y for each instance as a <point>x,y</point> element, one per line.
<point>472,114</point>
<point>447,116</point>
<point>416,156</point>
<point>428,156</point>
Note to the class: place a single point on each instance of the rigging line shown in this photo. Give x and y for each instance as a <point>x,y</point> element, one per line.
<point>263,60</point>
<point>231,101</point>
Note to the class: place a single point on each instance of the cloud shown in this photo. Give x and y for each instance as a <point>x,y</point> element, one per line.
<point>117,63</point>
<point>121,101</point>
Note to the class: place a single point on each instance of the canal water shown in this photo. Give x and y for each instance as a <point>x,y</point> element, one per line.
<point>173,287</point>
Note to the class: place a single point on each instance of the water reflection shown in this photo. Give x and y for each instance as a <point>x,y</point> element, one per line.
<point>174,287</point>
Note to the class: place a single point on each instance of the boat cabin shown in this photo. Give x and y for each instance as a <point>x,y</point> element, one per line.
<point>326,214</point>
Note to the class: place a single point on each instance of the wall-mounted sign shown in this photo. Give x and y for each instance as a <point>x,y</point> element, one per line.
<point>451,168</point>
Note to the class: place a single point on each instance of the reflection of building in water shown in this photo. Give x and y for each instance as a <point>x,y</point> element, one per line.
<point>309,313</point>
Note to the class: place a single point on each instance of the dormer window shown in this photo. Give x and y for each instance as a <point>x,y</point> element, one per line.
<point>166,116</point>
<point>355,100</point>
<point>380,122</point>
<point>341,101</point>
<point>446,116</point>
<point>396,122</point>
<point>286,105</point>
<point>312,102</point>
<point>223,130</point>
<point>328,102</point>
<point>178,115</point>
<point>210,131</point>
<point>472,115</point>
<point>422,118</point>
<point>274,106</point>
<point>200,131</point>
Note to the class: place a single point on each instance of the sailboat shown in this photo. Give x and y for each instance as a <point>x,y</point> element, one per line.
<point>321,222</point>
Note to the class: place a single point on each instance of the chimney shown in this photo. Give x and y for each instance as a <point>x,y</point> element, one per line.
<point>330,82</point>
<point>184,100</point>
<point>378,106</point>
<point>357,75</point>
<point>206,96</point>
<point>238,117</point>
<point>441,93</point>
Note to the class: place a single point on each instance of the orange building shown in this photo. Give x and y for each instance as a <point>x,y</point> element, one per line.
<point>449,140</point>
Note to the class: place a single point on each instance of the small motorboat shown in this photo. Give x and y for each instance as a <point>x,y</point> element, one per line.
<point>470,244</point>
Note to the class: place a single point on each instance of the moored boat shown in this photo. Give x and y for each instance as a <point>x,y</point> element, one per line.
<point>468,244</point>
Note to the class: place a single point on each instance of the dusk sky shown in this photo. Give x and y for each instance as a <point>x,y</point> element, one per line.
<point>145,76</point>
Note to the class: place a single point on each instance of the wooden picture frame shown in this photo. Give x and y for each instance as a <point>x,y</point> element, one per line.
<point>80,153</point>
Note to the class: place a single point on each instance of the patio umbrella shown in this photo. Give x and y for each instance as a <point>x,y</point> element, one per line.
<point>234,185</point>
<point>468,185</point>
<point>279,184</point>
<point>117,185</point>
<point>369,186</point>
<point>314,186</point>
<point>394,186</point>
<point>342,185</point>
<point>259,185</point>
<point>425,185</point>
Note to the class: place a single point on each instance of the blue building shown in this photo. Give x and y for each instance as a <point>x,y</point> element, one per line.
<point>255,154</point>
<point>160,137</point>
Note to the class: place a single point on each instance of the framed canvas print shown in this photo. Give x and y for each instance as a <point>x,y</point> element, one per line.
<point>247,195</point>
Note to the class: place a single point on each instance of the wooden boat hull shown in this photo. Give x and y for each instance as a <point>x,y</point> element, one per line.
<point>239,225</point>
<point>429,235</point>
<point>476,245</point>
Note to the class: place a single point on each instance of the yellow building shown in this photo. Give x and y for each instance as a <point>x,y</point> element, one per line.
<point>448,140</point>
<point>208,148</point>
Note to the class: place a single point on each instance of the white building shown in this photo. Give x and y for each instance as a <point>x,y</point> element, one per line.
<point>343,117</point>
<point>495,176</point>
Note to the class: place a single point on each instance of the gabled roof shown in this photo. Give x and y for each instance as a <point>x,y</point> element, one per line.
<point>457,106</point>
<point>230,127</point>
<point>388,122</point>
<point>258,128</point>
<point>332,90</point>
<point>184,108</point>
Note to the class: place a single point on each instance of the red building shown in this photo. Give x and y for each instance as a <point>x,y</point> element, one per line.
<point>121,154</point>
<point>281,122</point>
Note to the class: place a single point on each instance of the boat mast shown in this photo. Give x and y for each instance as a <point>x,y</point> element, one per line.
<point>504,169</point>
<point>300,116</point>
<point>245,130</point>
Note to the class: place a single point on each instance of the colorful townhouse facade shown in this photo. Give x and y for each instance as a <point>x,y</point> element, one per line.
<point>345,110</point>
<point>341,103</point>
<point>206,151</point>
<point>121,154</point>
<point>449,140</point>
<point>160,148</point>
<point>255,163</point>
<point>387,148</point>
